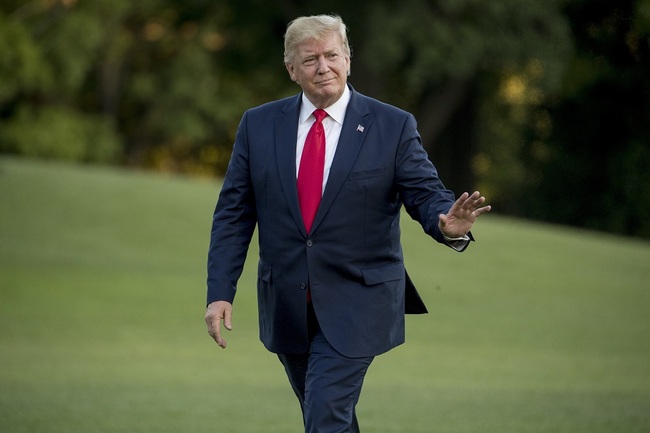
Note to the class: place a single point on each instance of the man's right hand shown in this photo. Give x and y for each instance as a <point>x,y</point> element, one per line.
<point>217,312</point>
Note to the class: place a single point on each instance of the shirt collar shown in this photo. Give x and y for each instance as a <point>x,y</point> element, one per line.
<point>336,111</point>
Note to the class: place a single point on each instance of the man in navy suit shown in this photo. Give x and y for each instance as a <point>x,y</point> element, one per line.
<point>332,292</point>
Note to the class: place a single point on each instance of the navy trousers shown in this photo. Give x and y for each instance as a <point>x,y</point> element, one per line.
<point>327,384</point>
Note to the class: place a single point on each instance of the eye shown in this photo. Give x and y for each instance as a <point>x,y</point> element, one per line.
<point>309,61</point>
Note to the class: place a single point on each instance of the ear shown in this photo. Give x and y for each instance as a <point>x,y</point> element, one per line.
<point>291,72</point>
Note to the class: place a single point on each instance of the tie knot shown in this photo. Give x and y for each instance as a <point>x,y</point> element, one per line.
<point>320,114</point>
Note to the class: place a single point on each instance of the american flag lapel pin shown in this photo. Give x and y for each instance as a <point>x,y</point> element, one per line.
<point>360,128</point>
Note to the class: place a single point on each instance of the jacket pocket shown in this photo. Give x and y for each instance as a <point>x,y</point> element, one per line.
<point>381,274</point>
<point>365,174</point>
<point>264,272</point>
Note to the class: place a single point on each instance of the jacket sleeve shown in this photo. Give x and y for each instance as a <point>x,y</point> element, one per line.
<point>233,223</point>
<point>423,193</point>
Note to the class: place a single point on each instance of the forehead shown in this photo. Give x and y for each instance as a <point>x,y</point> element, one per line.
<point>328,43</point>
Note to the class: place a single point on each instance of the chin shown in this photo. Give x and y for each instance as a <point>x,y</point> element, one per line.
<point>330,91</point>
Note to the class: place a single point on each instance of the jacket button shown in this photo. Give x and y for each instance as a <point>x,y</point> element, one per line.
<point>309,243</point>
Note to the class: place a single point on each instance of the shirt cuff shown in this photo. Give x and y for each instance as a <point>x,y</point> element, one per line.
<point>459,243</point>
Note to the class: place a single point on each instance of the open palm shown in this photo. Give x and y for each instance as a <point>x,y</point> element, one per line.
<point>462,215</point>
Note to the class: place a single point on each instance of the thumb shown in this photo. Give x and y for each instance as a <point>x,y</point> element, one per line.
<point>227,319</point>
<point>442,220</point>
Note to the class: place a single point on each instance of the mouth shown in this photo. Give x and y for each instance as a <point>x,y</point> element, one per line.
<point>324,82</point>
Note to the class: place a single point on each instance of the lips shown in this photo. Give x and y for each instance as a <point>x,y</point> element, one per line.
<point>320,83</point>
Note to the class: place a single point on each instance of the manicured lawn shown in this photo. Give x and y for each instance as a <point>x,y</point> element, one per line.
<point>534,328</point>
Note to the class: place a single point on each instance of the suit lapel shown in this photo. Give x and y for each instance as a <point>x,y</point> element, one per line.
<point>286,130</point>
<point>355,127</point>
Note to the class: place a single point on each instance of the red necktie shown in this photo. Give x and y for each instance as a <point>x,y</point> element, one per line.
<point>310,173</point>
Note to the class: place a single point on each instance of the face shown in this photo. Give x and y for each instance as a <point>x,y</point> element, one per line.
<point>321,69</point>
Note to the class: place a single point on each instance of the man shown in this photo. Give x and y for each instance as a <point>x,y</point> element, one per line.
<point>332,287</point>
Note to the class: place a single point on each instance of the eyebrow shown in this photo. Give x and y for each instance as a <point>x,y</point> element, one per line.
<point>315,54</point>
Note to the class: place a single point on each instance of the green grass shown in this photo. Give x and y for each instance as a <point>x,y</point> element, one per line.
<point>535,328</point>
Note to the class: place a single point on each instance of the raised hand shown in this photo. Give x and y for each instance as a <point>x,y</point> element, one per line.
<point>462,215</point>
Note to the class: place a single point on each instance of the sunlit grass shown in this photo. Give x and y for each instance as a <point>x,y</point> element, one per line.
<point>535,328</point>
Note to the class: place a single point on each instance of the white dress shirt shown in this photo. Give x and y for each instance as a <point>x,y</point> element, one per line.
<point>332,125</point>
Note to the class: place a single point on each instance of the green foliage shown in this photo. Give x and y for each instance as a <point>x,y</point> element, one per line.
<point>72,46</point>
<point>22,66</point>
<point>149,70</point>
<point>628,197</point>
<point>474,73</point>
<point>534,328</point>
<point>427,43</point>
<point>597,146</point>
<point>521,99</point>
<point>60,133</point>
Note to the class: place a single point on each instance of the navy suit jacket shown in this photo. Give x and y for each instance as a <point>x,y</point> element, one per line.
<point>352,259</point>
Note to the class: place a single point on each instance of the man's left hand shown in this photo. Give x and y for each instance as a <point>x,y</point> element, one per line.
<point>462,215</point>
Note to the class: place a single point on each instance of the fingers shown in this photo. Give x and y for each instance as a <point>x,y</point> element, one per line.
<point>214,329</point>
<point>473,202</point>
<point>477,207</point>
<point>216,313</point>
<point>462,214</point>
<point>480,211</point>
<point>217,334</point>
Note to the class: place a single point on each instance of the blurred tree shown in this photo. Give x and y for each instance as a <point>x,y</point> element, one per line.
<point>22,66</point>
<point>152,81</point>
<point>48,53</point>
<point>61,133</point>
<point>598,151</point>
<point>173,77</point>
<point>541,105</point>
<point>448,62</point>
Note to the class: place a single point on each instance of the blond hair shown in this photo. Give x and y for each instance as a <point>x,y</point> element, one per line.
<point>313,27</point>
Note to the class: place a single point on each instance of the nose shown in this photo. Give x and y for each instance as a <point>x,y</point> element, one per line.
<point>323,67</point>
